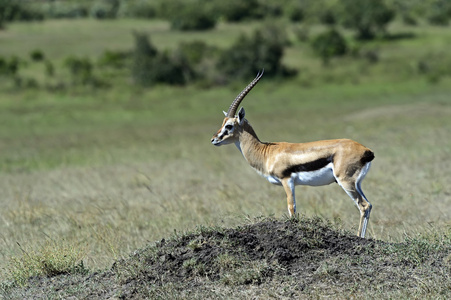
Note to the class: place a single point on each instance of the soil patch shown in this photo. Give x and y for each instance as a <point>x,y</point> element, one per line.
<point>269,258</point>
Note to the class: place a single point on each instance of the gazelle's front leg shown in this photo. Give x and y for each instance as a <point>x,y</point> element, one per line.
<point>288,185</point>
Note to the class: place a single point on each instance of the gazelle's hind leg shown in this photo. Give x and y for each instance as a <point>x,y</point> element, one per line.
<point>367,211</point>
<point>352,187</point>
<point>288,185</point>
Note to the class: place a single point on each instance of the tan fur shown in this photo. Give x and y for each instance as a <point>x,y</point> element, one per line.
<point>273,159</point>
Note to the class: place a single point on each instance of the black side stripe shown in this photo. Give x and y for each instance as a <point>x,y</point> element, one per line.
<point>307,167</point>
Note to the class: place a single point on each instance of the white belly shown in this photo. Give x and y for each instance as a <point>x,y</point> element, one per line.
<point>322,176</point>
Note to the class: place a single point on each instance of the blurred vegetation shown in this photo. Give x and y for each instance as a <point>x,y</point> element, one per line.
<point>192,16</point>
<point>12,10</point>
<point>367,16</point>
<point>263,47</point>
<point>329,44</point>
<point>9,66</point>
<point>149,66</point>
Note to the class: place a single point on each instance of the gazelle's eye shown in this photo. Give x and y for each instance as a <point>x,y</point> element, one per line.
<point>228,127</point>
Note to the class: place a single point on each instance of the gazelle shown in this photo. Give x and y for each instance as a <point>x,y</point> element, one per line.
<point>289,164</point>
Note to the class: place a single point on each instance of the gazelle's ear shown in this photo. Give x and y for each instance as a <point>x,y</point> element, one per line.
<point>225,114</point>
<point>241,114</point>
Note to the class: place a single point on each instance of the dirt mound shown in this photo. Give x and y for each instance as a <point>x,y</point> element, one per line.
<point>290,245</point>
<point>268,258</point>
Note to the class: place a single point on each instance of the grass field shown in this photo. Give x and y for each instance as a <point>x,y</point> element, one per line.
<point>107,171</point>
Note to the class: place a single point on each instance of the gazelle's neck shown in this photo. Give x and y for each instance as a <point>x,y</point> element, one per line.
<point>251,147</point>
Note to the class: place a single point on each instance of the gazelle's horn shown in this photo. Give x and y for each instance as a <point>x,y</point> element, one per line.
<point>233,107</point>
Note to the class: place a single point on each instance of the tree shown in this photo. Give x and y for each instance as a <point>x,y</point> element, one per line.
<point>4,7</point>
<point>367,17</point>
<point>329,44</point>
<point>11,10</point>
<point>238,10</point>
<point>142,60</point>
<point>150,66</point>
<point>192,16</point>
<point>249,54</point>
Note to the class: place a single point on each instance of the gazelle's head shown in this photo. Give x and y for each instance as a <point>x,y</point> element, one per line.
<point>232,125</point>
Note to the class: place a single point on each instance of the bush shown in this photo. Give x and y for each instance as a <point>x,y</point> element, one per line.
<point>9,67</point>
<point>49,68</point>
<point>371,55</point>
<point>138,9</point>
<point>434,66</point>
<point>367,17</point>
<point>25,83</point>
<point>329,44</point>
<point>105,9</point>
<point>81,71</point>
<point>302,33</point>
<point>248,55</point>
<point>409,19</point>
<point>142,59</point>
<point>328,17</point>
<point>199,61</point>
<point>295,12</point>
<point>438,16</point>
<point>268,9</point>
<point>63,9</point>
<point>37,55</point>
<point>171,69</point>
<point>115,59</point>
<point>78,66</point>
<point>238,10</point>
<point>438,12</point>
<point>14,11</point>
<point>150,67</point>
<point>193,17</point>
<point>4,6</point>
<point>194,51</point>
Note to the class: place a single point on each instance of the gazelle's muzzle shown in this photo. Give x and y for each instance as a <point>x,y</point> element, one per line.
<point>218,138</point>
<point>215,140</point>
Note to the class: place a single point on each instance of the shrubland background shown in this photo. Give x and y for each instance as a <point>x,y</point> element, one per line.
<point>107,109</point>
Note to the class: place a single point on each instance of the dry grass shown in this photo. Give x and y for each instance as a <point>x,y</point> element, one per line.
<point>52,259</point>
<point>263,258</point>
<point>108,172</point>
<point>115,208</point>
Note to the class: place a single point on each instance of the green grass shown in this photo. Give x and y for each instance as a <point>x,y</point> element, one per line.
<point>111,170</point>
<point>53,258</point>
<point>89,37</point>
